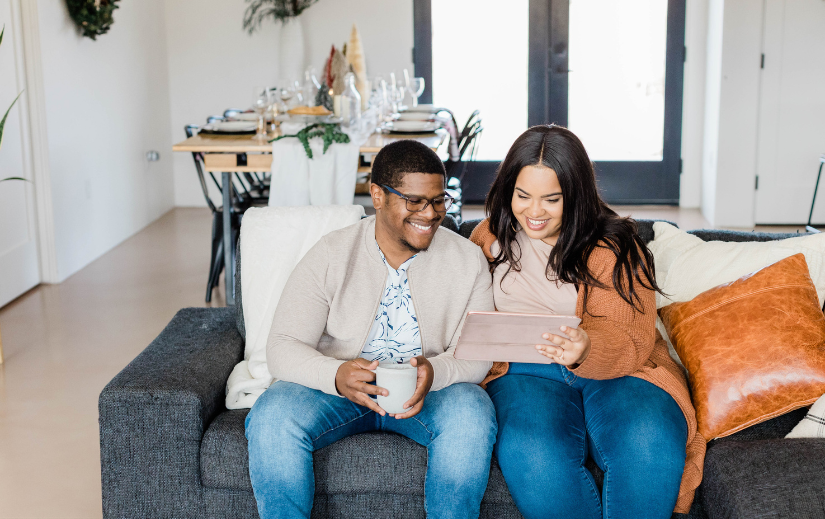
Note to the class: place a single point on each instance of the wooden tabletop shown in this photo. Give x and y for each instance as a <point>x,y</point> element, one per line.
<point>211,143</point>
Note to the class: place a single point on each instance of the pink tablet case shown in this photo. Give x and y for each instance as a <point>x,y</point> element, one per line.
<point>509,337</point>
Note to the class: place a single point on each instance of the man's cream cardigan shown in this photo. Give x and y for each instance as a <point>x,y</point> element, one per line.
<point>329,302</point>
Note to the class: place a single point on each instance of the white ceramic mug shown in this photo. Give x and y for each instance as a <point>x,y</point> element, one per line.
<point>399,380</point>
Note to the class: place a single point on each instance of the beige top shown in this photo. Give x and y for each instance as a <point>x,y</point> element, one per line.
<point>329,303</point>
<point>529,291</point>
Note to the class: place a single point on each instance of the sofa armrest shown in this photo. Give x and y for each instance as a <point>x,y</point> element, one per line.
<point>154,413</point>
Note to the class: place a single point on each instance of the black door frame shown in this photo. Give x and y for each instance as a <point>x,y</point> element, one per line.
<point>621,182</point>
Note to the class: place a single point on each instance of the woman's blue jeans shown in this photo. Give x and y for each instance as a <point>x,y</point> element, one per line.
<point>288,422</point>
<point>550,421</point>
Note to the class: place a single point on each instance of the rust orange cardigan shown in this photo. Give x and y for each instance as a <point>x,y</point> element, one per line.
<point>625,342</point>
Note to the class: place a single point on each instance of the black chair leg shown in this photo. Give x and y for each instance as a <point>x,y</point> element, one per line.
<point>217,240</point>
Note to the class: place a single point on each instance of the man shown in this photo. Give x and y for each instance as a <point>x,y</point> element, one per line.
<point>392,288</point>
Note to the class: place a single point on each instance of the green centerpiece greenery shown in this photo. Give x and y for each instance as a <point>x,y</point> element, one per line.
<point>93,17</point>
<point>278,10</point>
<point>327,131</point>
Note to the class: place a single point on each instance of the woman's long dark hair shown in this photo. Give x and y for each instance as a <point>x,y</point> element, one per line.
<point>586,223</point>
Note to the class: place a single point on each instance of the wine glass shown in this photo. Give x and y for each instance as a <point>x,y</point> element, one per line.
<point>396,96</point>
<point>287,94</point>
<point>261,101</point>
<point>416,88</point>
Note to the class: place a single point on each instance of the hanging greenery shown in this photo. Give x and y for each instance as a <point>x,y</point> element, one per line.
<point>279,10</point>
<point>93,17</point>
<point>329,132</point>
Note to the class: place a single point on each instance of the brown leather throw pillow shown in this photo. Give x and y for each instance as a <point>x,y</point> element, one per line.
<point>754,348</point>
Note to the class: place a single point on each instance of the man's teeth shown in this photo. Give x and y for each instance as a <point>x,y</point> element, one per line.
<point>536,222</point>
<point>423,228</point>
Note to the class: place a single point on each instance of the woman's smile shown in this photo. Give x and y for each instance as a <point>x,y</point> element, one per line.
<point>536,224</point>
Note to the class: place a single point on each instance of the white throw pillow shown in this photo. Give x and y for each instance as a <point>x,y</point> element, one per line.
<point>813,425</point>
<point>686,265</point>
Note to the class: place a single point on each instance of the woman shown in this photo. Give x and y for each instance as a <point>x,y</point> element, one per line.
<point>611,391</point>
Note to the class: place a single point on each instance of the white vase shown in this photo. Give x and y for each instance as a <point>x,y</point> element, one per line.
<point>291,50</point>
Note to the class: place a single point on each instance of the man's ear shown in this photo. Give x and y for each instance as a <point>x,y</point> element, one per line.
<point>377,195</point>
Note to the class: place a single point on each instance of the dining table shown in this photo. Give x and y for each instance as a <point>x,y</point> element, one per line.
<point>229,154</point>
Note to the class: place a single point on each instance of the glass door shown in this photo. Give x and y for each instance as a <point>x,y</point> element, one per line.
<point>610,71</point>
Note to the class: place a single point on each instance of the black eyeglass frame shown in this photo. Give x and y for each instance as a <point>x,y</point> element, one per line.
<point>448,201</point>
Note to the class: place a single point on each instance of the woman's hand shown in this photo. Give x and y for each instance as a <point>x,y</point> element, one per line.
<point>567,352</point>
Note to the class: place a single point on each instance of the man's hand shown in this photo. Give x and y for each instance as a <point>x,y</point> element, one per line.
<point>352,382</point>
<point>422,387</point>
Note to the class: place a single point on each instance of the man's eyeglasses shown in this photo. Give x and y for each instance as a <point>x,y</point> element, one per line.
<point>416,204</point>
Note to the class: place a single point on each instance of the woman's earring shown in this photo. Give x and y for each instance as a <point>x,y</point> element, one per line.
<point>513,227</point>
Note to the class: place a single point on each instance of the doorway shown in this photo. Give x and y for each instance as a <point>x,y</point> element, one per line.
<point>612,72</point>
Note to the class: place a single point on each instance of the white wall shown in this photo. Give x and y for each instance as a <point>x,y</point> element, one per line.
<point>106,105</point>
<point>214,64</point>
<point>693,103</point>
<point>731,111</point>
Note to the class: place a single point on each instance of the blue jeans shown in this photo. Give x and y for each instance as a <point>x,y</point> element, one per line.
<point>550,420</point>
<point>288,422</point>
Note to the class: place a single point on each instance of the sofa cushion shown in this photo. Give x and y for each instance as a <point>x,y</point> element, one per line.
<point>753,347</point>
<point>765,478</point>
<point>686,265</point>
<point>349,466</point>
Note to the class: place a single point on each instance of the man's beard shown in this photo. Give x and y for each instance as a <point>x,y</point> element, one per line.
<point>412,249</point>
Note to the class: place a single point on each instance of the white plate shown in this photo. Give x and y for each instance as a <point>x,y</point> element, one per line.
<point>421,108</point>
<point>415,116</point>
<point>411,126</point>
<point>245,116</point>
<point>230,127</point>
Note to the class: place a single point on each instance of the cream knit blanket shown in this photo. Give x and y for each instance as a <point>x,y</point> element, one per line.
<point>273,241</point>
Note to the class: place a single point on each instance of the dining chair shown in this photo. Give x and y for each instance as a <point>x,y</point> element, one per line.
<point>254,189</point>
<point>216,261</point>
<point>456,169</point>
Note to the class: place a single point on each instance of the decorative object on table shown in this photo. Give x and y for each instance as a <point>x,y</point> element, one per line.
<point>309,110</point>
<point>338,69</point>
<point>291,48</point>
<point>355,57</point>
<point>350,103</point>
<point>323,97</point>
<point>327,73</point>
<point>93,17</point>
<point>311,87</point>
<point>327,131</point>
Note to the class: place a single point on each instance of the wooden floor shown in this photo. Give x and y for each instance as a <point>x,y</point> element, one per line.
<point>64,342</point>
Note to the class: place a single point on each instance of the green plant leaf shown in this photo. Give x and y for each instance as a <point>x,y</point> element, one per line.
<point>1,33</point>
<point>3,121</point>
<point>13,178</point>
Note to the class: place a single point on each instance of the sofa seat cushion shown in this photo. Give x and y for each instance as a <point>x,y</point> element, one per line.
<point>765,478</point>
<point>350,466</point>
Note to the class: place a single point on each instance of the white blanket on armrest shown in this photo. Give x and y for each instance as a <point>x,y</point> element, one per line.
<point>273,241</point>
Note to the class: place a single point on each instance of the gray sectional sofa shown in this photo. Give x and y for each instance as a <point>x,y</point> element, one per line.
<point>170,449</point>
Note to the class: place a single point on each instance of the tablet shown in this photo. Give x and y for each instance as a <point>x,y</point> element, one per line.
<point>509,337</point>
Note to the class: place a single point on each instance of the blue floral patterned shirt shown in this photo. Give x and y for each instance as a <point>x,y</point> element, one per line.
<point>394,334</point>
